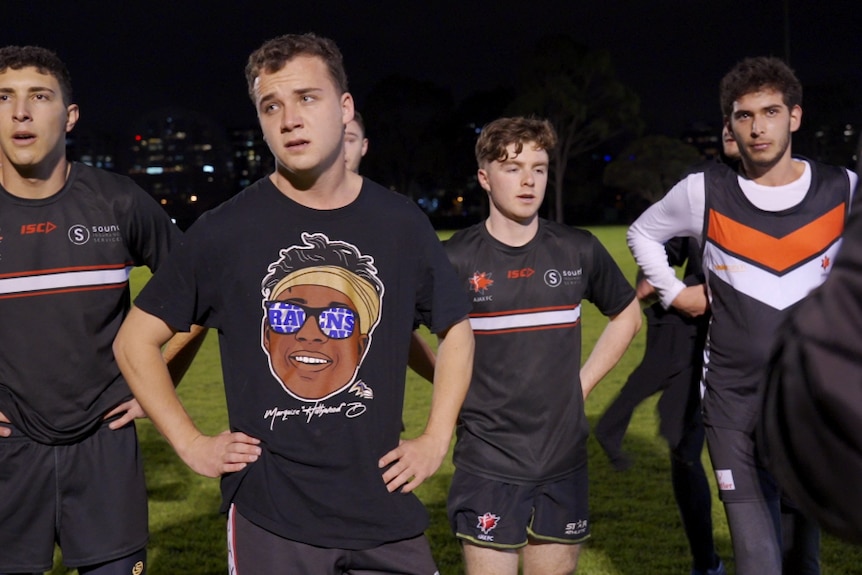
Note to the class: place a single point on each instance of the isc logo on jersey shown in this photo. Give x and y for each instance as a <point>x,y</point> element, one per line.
<point>521,273</point>
<point>40,228</point>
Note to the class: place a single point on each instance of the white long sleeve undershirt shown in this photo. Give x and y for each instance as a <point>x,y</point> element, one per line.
<point>681,212</point>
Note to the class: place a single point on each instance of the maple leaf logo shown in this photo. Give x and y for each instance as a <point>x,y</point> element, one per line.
<point>824,263</point>
<point>487,522</point>
<point>481,282</point>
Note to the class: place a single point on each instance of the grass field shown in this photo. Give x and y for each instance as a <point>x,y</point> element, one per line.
<point>635,526</point>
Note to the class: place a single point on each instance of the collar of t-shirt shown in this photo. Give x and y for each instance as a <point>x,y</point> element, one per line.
<point>777,198</point>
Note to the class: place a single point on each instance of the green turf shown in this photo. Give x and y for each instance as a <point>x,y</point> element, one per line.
<point>635,526</point>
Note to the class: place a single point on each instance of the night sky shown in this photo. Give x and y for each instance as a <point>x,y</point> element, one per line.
<point>128,58</point>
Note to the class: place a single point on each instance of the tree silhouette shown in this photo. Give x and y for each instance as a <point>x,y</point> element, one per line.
<point>472,113</point>
<point>408,124</point>
<point>648,167</point>
<point>577,90</point>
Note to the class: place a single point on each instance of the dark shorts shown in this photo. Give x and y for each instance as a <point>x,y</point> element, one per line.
<point>500,515</point>
<point>88,497</point>
<point>739,473</point>
<point>253,550</point>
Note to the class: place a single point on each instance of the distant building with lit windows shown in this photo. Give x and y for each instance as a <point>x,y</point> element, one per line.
<point>835,144</point>
<point>183,159</point>
<point>706,138</point>
<point>94,149</point>
<point>252,159</point>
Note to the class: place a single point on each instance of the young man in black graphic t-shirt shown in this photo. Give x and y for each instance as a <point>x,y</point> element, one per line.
<point>314,277</point>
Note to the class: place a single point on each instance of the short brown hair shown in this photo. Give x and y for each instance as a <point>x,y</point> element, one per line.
<point>357,117</point>
<point>44,60</point>
<point>755,74</point>
<point>497,135</point>
<point>274,54</point>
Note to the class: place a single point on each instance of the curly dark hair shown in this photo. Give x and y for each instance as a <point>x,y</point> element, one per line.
<point>318,250</point>
<point>274,54</point>
<point>44,60</point>
<point>755,74</point>
<point>497,135</point>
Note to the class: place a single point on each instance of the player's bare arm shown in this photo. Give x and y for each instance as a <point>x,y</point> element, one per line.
<point>181,349</point>
<point>138,349</point>
<point>611,345</point>
<point>692,300</point>
<point>421,358</point>
<point>644,290</point>
<point>414,460</point>
<point>178,353</point>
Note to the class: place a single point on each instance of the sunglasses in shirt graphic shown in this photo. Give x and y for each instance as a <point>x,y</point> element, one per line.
<point>321,303</point>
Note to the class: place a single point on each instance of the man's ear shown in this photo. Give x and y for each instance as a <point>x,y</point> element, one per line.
<point>795,118</point>
<point>482,176</point>
<point>347,108</point>
<point>72,115</point>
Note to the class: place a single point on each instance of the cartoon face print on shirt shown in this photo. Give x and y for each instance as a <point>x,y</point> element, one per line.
<point>321,303</point>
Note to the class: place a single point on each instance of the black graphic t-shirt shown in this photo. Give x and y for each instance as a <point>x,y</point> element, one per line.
<point>314,311</point>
